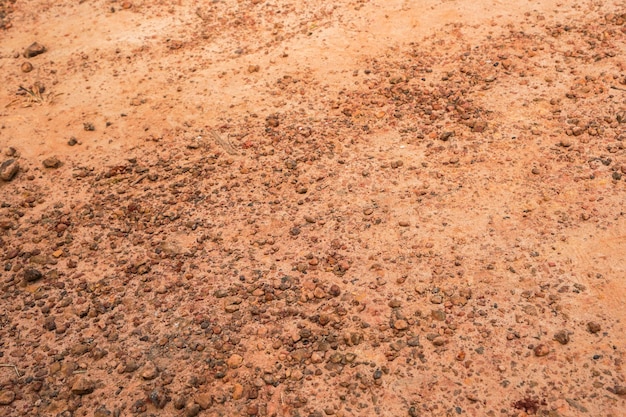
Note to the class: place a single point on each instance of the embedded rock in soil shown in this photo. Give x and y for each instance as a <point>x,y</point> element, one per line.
<point>593,327</point>
<point>8,169</point>
<point>83,386</point>
<point>32,275</point>
<point>235,361</point>
<point>34,49</point>
<point>204,400</point>
<point>52,162</point>
<point>102,412</point>
<point>149,371</point>
<point>562,337</point>
<point>6,397</point>
<point>541,350</point>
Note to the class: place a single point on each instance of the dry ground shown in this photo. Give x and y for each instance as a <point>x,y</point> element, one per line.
<point>349,208</point>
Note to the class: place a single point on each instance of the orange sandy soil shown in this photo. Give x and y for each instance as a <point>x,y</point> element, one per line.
<point>349,208</point>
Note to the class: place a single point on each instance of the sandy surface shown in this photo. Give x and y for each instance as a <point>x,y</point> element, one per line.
<point>279,208</point>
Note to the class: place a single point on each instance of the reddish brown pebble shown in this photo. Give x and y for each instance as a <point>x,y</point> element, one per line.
<point>26,67</point>
<point>541,350</point>
<point>593,327</point>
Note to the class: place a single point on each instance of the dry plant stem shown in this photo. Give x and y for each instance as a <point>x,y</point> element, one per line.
<point>8,365</point>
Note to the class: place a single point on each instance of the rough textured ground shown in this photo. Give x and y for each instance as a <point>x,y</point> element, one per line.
<point>280,208</point>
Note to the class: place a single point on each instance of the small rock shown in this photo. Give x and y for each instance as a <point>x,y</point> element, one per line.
<point>618,390</point>
<point>439,341</point>
<point>235,361</point>
<point>34,49</point>
<point>445,136</point>
<point>438,315</point>
<point>159,397</point>
<point>479,126</point>
<point>562,337</point>
<point>593,327</point>
<point>436,299</point>
<point>50,323</point>
<point>179,403</point>
<point>316,357</point>
<point>204,400</point>
<point>6,397</point>
<point>52,162</point>
<point>102,412</point>
<point>237,391</point>
<point>541,350</point>
<point>192,409</point>
<point>8,169</point>
<point>334,290</point>
<point>83,386</point>
<point>400,325</point>
<point>404,223</point>
<point>26,67</point>
<point>32,275</point>
<point>414,341</point>
<point>149,371</point>
<point>253,68</point>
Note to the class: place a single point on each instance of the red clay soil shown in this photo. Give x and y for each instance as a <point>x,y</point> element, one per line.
<point>349,208</point>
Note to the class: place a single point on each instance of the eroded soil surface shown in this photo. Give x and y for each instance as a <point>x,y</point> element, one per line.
<point>273,208</point>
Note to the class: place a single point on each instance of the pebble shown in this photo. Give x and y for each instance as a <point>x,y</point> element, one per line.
<point>192,409</point>
<point>562,337</point>
<point>159,397</point>
<point>235,361</point>
<point>400,325</point>
<point>439,341</point>
<point>252,410</point>
<point>83,386</point>
<point>541,350</point>
<point>149,371</point>
<point>32,275</point>
<point>334,290</point>
<point>50,323</point>
<point>439,315</point>
<point>479,126</point>
<point>26,67</point>
<point>593,327</point>
<point>8,169</point>
<point>6,397</point>
<point>52,162</point>
<point>204,400</point>
<point>436,299</point>
<point>237,391</point>
<point>102,412</point>
<point>34,49</point>
<point>413,341</point>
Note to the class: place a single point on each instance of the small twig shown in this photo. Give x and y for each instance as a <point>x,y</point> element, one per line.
<point>8,365</point>
<point>617,88</point>
<point>224,143</point>
<point>138,180</point>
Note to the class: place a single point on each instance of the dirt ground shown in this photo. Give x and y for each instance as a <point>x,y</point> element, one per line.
<point>349,208</point>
